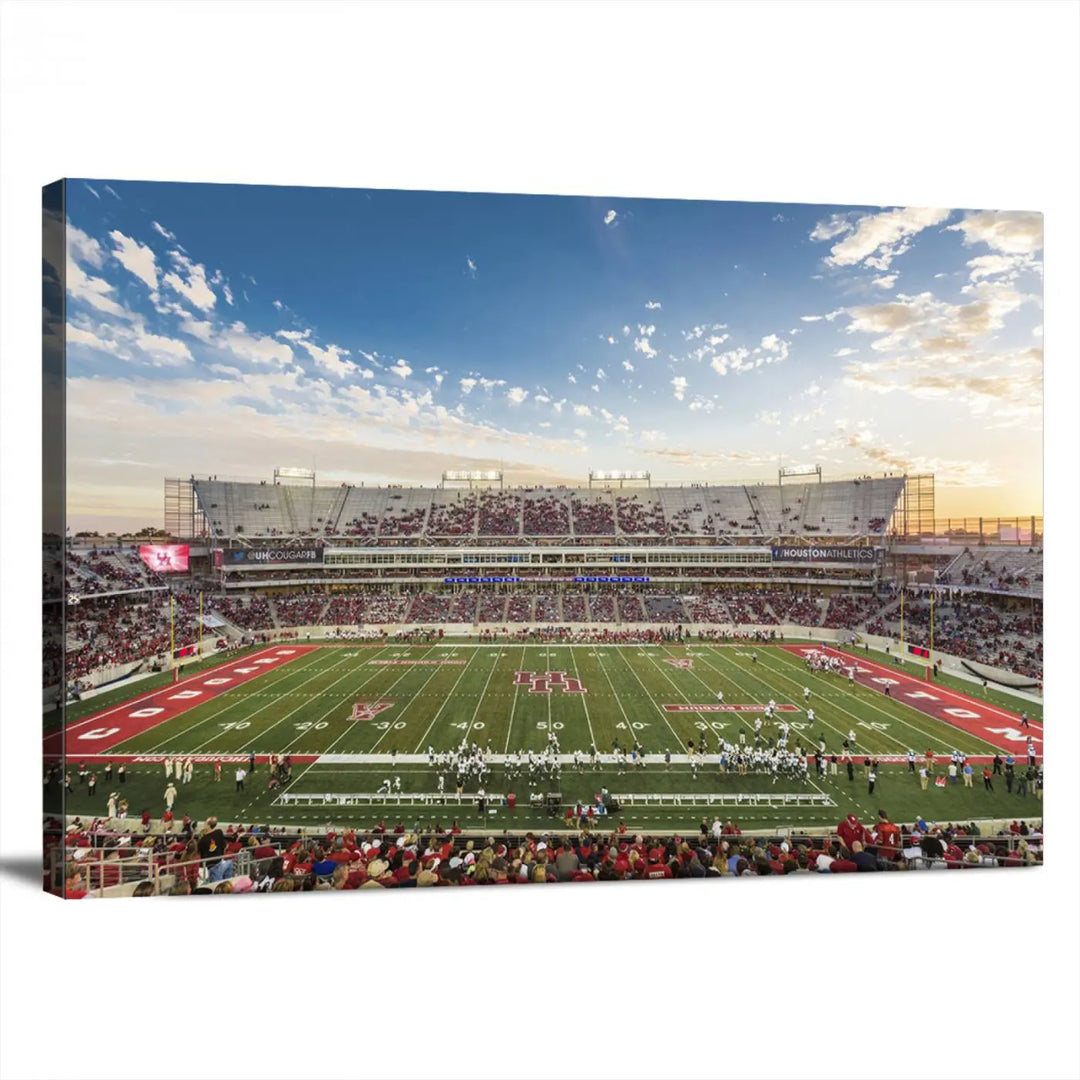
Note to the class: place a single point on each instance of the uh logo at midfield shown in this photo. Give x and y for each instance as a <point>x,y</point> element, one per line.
<point>542,684</point>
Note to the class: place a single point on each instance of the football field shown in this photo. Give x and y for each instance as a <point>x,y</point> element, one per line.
<point>353,716</point>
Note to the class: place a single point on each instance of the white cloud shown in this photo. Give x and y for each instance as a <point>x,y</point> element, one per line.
<point>91,190</point>
<point>164,232</point>
<point>642,346</point>
<point>228,295</point>
<point>330,359</point>
<point>627,365</point>
<point>626,331</point>
<point>95,291</point>
<point>811,318</point>
<point>680,384</point>
<point>1012,232</point>
<point>136,258</point>
<point>517,395</point>
<point>609,217</point>
<point>113,193</point>
<point>84,248</point>
<point>254,347</point>
<point>467,385</point>
<point>195,288</point>
<point>162,351</point>
<point>734,360</point>
<point>572,377</point>
<point>646,331</point>
<point>77,335</point>
<point>768,418</point>
<point>470,266</point>
<point>875,239</point>
<point>278,305</point>
<point>845,352</point>
<point>885,281</point>
<point>601,373</point>
<point>401,369</point>
<point>582,410</point>
<point>652,305</point>
<point>1008,266</point>
<point>933,325</point>
<point>595,388</point>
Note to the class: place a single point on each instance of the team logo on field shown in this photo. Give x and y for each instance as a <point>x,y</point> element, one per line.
<point>368,710</point>
<point>542,684</point>
<point>675,661</point>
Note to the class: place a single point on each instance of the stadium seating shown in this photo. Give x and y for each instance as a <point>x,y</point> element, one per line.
<point>99,856</point>
<point>834,508</point>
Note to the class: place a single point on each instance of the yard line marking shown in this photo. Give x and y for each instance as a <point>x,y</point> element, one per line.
<point>652,700</point>
<point>584,699</point>
<point>206,673</point>
<point>513,708</point>
<point>406,672</point>
<point>446,701</point>
<point>893,716</point>
<point>349,727</point>
<point>808,739</point>
<point>336,704</point>
<point>415,697</point>
<point>480,699</point>
<point>237,702</point>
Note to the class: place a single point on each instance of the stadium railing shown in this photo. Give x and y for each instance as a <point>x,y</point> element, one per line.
<point>725,799</point>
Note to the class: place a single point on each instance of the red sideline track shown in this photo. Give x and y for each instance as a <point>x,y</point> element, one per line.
<point>96,733</point>
<point>996,726</point>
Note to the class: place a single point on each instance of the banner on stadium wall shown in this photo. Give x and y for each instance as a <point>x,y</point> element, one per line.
<point>827,553</point>
<point>269,556</point>
<point>590,578</point>
<point>479,580</point>
<point>165,558</point>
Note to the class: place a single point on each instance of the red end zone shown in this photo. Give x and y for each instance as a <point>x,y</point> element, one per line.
<point>999,727</point>
<point>94,734</point>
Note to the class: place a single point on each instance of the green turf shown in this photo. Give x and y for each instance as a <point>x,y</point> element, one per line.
<point>304,708</point>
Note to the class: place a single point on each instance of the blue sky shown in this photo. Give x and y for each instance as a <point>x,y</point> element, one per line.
<point>385,336</point>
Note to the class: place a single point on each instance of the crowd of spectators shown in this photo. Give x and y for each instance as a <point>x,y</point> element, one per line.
<point>575,607</point>
<point>208,858</point>
<point>602,607</point>
<point>640,515</point>
<point>117,630</point>
<point>403,520</point>
<point>429,607</point>
<point>491,608</point>
<point>631,608</point>
<point>344,609</point>
<point>519,608</point>
<point>454,518</point>
<point>463,608</point>
<point>848,612</point>
<point>300,610</point>
<point>500,514</point>
<point>593,516</point>
<point>248,613</point>
<point>545,513</point>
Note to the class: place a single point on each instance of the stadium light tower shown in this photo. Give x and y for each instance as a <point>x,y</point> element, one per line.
<point>472,476</point>
<point>619,476</point>
<point>288,472</point>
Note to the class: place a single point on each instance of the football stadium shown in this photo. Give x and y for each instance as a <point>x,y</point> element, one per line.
<point>303,685</point>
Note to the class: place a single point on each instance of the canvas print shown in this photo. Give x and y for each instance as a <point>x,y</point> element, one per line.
<point>410,538</point>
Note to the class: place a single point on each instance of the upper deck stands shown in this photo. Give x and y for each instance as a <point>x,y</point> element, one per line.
<point>841,508</point>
